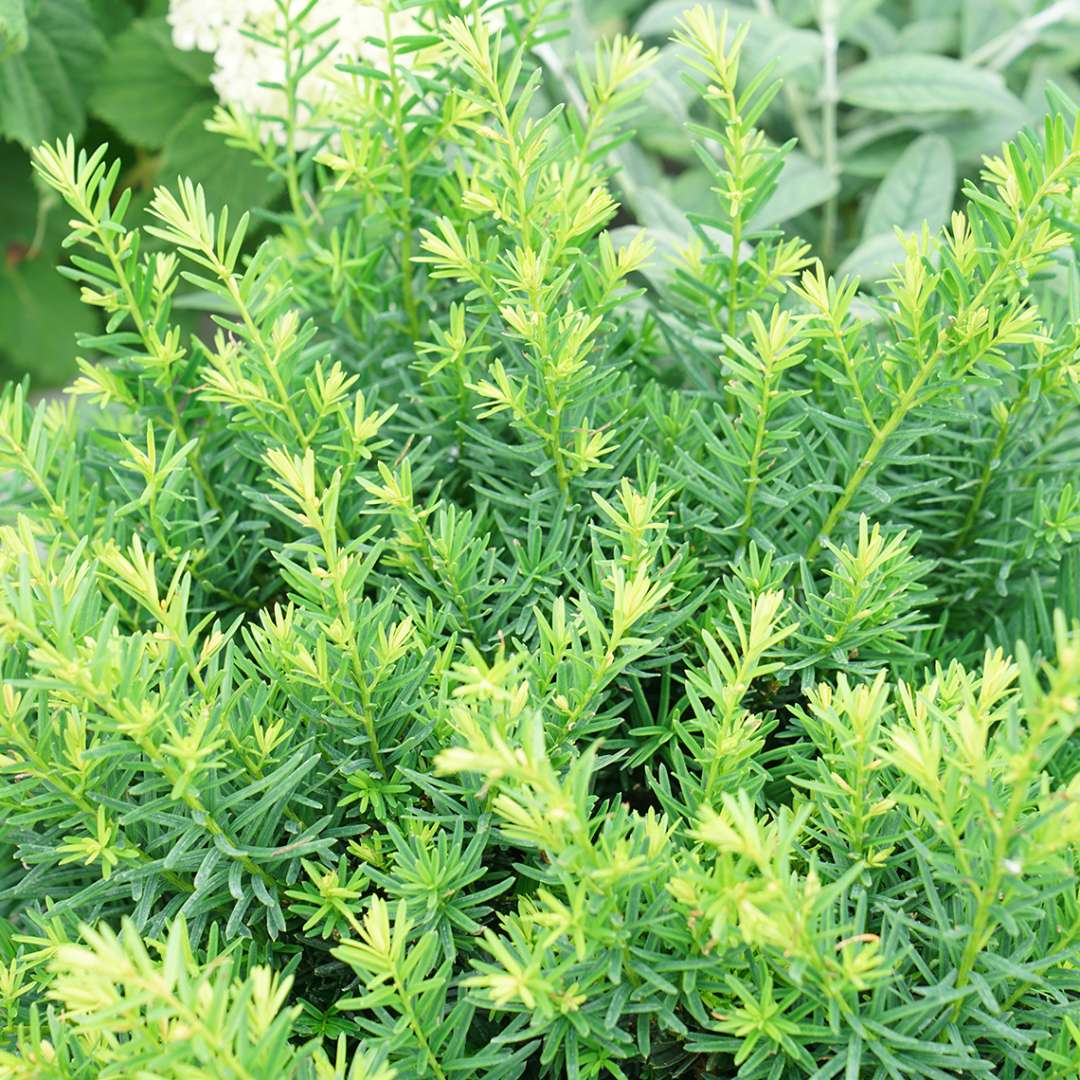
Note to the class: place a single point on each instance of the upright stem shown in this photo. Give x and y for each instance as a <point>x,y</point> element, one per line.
<point>733,274</point>
<point>256,338</point>
<point>408,296</point>
<point>48,773</point>
<point>911,393</point>
<point>807,136</point>
<point>405,999</point>
<point>1003,49</point>
<point>984,483</point>
<point>830,96</point>
<point>870,457</point>
<point>105,239</point>
<point>359,675</point>
<point>988,894</point>
<point>292,87</point>
<point>754,478</point>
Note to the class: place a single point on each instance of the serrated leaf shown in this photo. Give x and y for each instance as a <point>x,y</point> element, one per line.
<point>919,187</point>
<point>13,28</point>
<point>18,199</point>
<point>147,85</point>
<point>922,82</point>
<point>114,15</point>
<point>44,88</point>
<point>228,175</point>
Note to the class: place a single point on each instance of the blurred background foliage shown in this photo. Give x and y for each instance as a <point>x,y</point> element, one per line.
<point>107,71</point>
<point>892,103</point>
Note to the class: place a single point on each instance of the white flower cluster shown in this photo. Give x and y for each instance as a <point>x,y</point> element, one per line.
<point>242,65</point>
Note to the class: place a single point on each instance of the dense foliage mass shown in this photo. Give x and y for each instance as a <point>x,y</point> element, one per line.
<point>874,151</point>
<point>472,658</point>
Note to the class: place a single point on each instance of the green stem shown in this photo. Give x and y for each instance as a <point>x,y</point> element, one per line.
<point>408,295</point>
<point>984,483</point>
<point>292,87</point>
<point>269,362</point>
<point>405,1000</point>
<point>733,274</point>
<point>907,400</point>
<point>1005,828</point>
<point>830,97</point>
<point>47,773</point>
<point>869,458</point>
<point>851,372</point>
<point>109,706</point>
<point>988,893</point>
<point>754,478</point>
<point>105,242</point>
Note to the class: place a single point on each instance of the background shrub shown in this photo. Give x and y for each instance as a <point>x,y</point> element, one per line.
<point>892,105</point>
<point>100,70</point>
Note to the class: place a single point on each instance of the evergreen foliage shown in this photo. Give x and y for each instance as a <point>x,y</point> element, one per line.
<point>468,663</point>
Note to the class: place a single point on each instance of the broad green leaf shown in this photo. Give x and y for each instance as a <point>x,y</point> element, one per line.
<point>873,257</point>
<point>113,16</point>
<point>603,12</point>
<point>692,191</point>
<point>982,22</point>
<point>656,210</point>
<point>636,172</point>
<point>918,188</point>
<point>666,226</point>
<point>147,87</point>
<point>44,88</point>
<point>871,152</point>
<point>228,175</point>
<point>667,247</point>
<point>971,137</point>
<point>922,82</point>
<point>659,126</point>
<point>936,34</point>
<point>853,12</point>
<point>18,199</point>
<point>927,9</point>
<point>668,96</point>
<point>13,28</point>
<point>875,35</point>
<point>803,184</point>
<point>40,314</point>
